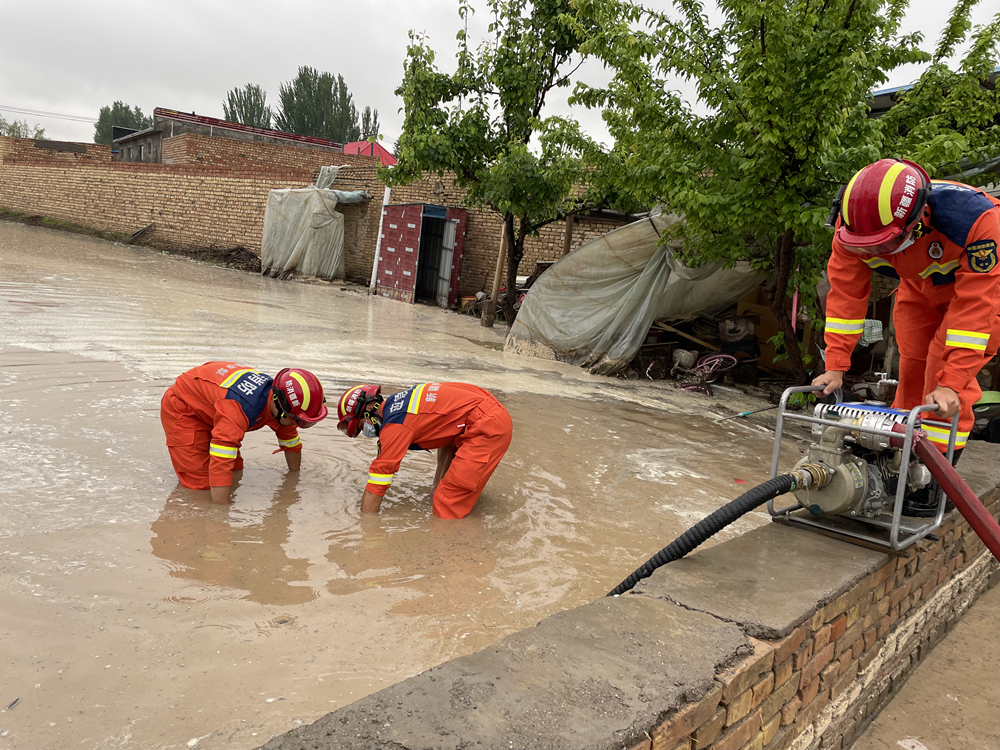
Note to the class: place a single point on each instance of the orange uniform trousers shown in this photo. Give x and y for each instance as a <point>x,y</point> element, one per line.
<point>921,338</point>
<point>188,439</point>
<point>488,432</point>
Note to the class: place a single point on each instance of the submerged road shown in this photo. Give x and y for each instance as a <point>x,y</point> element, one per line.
<point>136,616</point>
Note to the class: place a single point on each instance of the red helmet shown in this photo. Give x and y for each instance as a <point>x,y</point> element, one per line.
<point>300,395</point>
<point>352,405</point>
<point>881,206</point>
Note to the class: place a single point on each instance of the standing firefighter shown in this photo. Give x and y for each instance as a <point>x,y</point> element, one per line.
<point>209,409</point>
<point>469,427</point>
<point>940,240</point>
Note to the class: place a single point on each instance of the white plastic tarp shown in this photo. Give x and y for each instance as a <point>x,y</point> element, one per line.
<point>594,307</point>
<point>303,233</point>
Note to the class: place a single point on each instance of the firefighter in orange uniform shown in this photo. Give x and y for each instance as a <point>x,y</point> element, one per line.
<point>470,429</point>
<point>940,240</point>
<point>209,409</point>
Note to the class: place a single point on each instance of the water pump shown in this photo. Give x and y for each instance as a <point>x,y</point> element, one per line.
<point>850,484</point>
<point>864,453</point>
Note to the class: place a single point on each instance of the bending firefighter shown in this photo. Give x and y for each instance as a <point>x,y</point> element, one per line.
<point>940,240</point>
<point>469,427</point>
<point>209,409</point>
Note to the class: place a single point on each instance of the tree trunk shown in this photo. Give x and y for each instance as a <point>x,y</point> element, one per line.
<point>783,265</point>
<point>515,251</point>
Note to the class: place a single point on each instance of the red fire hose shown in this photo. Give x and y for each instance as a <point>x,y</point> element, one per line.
<point>985,525</point>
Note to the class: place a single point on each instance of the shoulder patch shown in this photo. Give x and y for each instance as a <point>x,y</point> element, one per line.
<point>250,391</point>
<point>955,208</point>
<point>982,256</point>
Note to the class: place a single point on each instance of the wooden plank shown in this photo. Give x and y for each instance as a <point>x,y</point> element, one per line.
<point>665,327</point>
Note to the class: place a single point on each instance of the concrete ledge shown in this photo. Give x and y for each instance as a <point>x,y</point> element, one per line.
<point>598,677</point>
<point>768,581</point>
<point>778,639</point>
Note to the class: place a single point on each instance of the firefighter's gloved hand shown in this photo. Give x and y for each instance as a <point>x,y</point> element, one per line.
<point>947,401</point>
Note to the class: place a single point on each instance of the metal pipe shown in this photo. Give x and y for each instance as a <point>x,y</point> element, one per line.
<point>985,525</point>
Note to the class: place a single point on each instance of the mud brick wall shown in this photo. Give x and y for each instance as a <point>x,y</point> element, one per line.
<point>54,151</point>
<point>820,686</point>
<point>479,258</point>
<point>194,206</point>
<point>243,155</point>
<point>780,639</point>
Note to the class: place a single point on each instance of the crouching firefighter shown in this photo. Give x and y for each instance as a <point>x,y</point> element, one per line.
<point>470,429</point>
<point>940,240</point>
<point>209,409</point>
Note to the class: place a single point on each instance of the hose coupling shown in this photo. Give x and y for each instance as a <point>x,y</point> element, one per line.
<point>812,476</point>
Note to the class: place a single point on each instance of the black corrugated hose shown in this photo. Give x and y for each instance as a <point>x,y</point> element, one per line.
<point>708,527</point>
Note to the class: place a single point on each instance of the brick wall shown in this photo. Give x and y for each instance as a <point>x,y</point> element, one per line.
<point>820,686</point>
<point>483,234</point>
<point>53,151</point>
<point>235,154</point>
<point>194,206</point>
<point>211,192</point>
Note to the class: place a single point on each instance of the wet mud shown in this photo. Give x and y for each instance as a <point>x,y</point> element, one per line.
<point>137,614</point>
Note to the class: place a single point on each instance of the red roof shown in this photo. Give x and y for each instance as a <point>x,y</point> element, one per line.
<point>370,149</point>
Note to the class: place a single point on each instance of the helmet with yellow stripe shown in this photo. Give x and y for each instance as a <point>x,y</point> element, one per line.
<point>352,406</point>
<point>881,206</point>
<point>299,394</point>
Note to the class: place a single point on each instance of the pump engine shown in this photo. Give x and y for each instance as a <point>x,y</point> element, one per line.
<point>860,466</point>
<point>863,468</point>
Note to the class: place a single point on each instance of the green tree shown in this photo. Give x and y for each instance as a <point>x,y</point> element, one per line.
<point>318,104</point>
<point>248,106</point>
<point>20,129</point>
<point>781,120</point>
<point>483,123</point>
<point>369,124</point>
<point>949,121</point>
<point>121,115</point>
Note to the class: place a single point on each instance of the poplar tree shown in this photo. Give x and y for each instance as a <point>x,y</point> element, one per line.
<point>248,106</point>
<point>122,115</point>
<point>318,104</point>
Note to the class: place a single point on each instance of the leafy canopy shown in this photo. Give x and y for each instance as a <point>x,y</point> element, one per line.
<point>320,105</point>
<point>121,115</point>
<point>780,119</point>
<point>248,106</point>
<point>483,123</point>
<point>20,129</point>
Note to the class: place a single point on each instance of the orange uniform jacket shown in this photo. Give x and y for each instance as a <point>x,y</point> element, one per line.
<point>947,304</point>
<point>433,415</point>
<point>228,400</point>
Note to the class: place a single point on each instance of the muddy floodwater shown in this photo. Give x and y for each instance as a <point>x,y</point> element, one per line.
<point>136,615</point>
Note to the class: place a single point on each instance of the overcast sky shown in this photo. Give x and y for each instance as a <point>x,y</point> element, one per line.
<point>71,57</point>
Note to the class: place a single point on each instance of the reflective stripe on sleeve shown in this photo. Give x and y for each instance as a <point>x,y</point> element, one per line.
<point>222,451</point>
<point>414,406</point>
<point>943,268</point>
<point>290,443</point>
<point>844,326</point>
<point>878,263</point>
<point>385,479</point>
<point>966,339</point>
<point>940,435</point>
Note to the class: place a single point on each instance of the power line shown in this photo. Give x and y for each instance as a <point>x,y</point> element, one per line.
<point>40,113</point>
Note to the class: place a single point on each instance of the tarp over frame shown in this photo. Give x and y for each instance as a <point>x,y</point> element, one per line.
<point>304,233</point>
<point>594,307</point>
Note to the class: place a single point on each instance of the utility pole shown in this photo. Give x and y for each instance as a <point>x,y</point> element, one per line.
<point>489,314</point>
